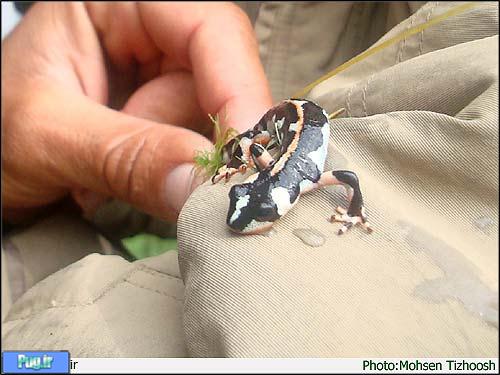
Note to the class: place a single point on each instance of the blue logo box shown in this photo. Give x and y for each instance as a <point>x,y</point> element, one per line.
<point>30,362</point>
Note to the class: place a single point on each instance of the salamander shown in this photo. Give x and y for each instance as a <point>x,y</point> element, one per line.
<point>288,147</point>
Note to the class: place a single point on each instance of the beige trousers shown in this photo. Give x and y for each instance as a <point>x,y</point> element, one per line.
<point>421,132</point>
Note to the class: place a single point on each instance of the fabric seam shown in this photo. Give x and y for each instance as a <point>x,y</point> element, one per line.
<point>112,285</point>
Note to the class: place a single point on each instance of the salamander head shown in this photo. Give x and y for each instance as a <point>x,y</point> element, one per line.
<point>247,213</point>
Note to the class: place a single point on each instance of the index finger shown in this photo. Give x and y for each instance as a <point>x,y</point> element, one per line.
<point>217,43</point>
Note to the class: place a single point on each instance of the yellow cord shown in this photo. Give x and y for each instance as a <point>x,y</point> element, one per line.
<point>412,31</point>
<point>336,113</point>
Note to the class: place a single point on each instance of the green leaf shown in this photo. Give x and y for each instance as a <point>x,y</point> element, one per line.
<point>208,163</point>
<point>146,245</point>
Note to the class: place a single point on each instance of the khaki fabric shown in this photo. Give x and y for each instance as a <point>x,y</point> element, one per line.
<point>103,306</point>
<point>300,41</point>
<point>31,254</point>
<point>421,132</point>
<point>59,294</point>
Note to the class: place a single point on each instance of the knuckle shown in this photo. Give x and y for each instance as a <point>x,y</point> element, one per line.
<point>125,164</point>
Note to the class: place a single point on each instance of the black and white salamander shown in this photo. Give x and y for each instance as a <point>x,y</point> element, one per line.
<point>297,133</point>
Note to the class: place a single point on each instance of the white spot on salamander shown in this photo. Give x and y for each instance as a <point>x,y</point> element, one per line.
<point>325,114</point>
<point>242,202</point>
<point>319,156</point>
<point>257,226</point>
<point>300,102</point>
<point>293,126</point>
<point>305,185</point>
<point>281,197</point>
<point>326,133</point>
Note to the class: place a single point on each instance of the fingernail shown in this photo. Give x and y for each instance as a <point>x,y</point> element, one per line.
<point>180,183</point>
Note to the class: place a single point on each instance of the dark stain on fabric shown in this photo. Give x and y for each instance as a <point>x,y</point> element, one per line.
<point>460,281</point>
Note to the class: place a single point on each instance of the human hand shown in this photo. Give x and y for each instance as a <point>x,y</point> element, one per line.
<point>176,62</point>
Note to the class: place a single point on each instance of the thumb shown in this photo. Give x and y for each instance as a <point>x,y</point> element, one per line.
<point>143,162</point>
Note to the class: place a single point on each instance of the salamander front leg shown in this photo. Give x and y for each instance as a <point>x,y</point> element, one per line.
<point>237,163</point>
<point>253,154</point>
<point>226,172</point>
<point>355,214</point>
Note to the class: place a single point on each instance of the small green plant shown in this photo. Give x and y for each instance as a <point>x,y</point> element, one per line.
<point>208,162</point>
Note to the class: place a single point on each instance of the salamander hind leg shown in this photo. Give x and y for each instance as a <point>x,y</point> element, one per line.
<point>355,214</point>
<point>261,157</point>
<point>225,173</point>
